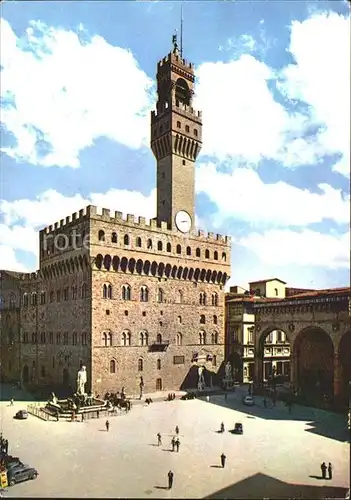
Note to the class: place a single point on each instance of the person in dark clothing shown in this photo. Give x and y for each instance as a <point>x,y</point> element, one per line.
<point>223,459</point>
<point>177,443</point>
<point>330,471</point>
<point>107,425</point>
<point>177,430</point>
<point>324,470</point>
<point>222,427</point>
<point>159,440</point>
<point>170,479</point>
<point>173,443</point>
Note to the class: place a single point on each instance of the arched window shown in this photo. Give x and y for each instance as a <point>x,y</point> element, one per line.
<point>179,249</point>
<point>42,298</point>
<point>214,299</point>
<point>160,295</point>
<point>169,247</point>
<point>144,294</point>
<point>158,364</point>
<point>178,124</point>
<point>138,242</point>
<point>202,319</point>
<point>179,320</point>
<point>202,299</point>
<point>215,320</point>
<point>198,252</point>
<point>112,366</point>
<point>114,237</point>
<point>215,255</point>
<point>195,132</point>
<point>207,253</point>
<point>34,299</point>
<point>126,292</point>
<point>224,256</point>
<point>101,235</point>
<point>126,338</point>
<point>104,292</point>
<point>149,244</point>
<point>104,339</point>
<point>188,250</point>
<point>74,338</point>
<point>25,300</point>
<point>202,337</point>
<point>140,365</point>
<point>276,292</point>
<point>179,339</point>
<point>109,292</point>
<point>126,239</point>
<point>143,338</point>
<point>159,245</point>
<point>180,297</point>
<point>159,339</point>
<point>214,338</point>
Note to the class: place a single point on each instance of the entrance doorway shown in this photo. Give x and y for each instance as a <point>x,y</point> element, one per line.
<point>159,384</point>
<point>25,374</point>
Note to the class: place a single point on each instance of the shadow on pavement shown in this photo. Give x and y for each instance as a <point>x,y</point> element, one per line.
<point>327,424</point>
<point>262,486</point>
<point>161,487</point>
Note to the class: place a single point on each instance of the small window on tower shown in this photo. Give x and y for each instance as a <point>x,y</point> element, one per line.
<point>195,132</point>
<point>184,162</point>
<point>178,125</point>
<point>187,128</point>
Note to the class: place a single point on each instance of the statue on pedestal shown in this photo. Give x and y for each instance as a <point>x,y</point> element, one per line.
<point>228,371</point>
<point>81,380</point>
<point>201,382</point>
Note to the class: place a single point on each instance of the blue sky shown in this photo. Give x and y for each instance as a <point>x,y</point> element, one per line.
<point>273,79</point>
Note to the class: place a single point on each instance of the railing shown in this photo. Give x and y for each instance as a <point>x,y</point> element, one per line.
<point>38,412</point>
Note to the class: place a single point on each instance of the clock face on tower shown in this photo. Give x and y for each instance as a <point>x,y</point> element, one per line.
<point>183,221</point>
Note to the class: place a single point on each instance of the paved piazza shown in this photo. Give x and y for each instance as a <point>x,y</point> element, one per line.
<point>83,460</point>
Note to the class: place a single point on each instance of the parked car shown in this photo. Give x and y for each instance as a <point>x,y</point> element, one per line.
<point>238,428</point>
<point>248,401</point>
<point>21,473</point>
<point>187,396</point>
<point>21,415</point>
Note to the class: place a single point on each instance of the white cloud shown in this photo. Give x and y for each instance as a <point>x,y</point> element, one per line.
<point>51,206</point>
<point>320,77</point>
<point>242,195</point>
<point>68,91</point>
<point>9,261</point>
<point>19,237</point>
<point>306,248</point>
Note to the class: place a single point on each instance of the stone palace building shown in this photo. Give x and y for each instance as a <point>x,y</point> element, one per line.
<point>136,302</point>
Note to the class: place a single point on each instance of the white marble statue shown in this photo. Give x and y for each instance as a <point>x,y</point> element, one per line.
<point>81,380</point>
<point>228,370</point>
<point>201,382</point>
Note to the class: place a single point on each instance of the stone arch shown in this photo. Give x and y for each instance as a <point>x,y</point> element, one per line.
<point>185,273</point>
<point>214,276</point>
<point>98,261</point>
<point>344,359</point>
<point>159,246</point>
<point>208,275</point>
<point>168,270</point>
<point>179,272</point>
<point>197,274</point>
<point>270,367</point>
<point>219,277</point>
<point>313,351</point>
<point>174,271</point>
<point>107,262</point>
<point>191,273</point>
<point>161,269</point>
<point>224,278</point>
<point>131,265</point>
<point>154,268</point>
<point>202,274</point>
<point>115,263</point>
<point>124,264</point>
<point>80,258</point>
<point>139,266</point>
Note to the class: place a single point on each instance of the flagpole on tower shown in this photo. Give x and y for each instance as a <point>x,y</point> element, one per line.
<point>181,31</point>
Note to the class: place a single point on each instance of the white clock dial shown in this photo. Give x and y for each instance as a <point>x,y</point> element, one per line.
<point>183,221</point>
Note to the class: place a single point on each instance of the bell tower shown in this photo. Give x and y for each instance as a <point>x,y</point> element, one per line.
<point>176,139</point>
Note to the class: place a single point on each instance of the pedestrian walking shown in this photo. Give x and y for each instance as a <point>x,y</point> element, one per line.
<point>107,425</point>
<point>330,471</point>
<point>173,443</point>
<point>222,427</point>
<point>223,459</point>
<point>177,443</point>
<point>324,470</point>
<point>159,440</point>
<point>11,402</point>
<point>177,430</point>
<point>170,479</point>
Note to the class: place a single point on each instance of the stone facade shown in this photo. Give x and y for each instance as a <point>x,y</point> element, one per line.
<point>126,297</point>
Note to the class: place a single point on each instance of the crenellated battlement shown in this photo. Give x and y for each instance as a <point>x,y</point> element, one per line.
<point>174,58</point>
<point>178,106</point>
<point>74,218</point>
